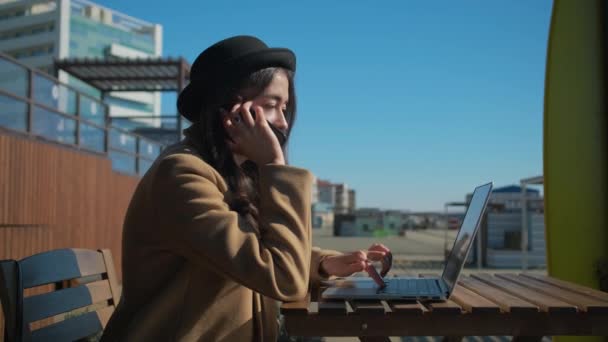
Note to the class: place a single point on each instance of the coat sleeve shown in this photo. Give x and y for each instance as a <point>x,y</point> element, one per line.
<point>203,229</point>
<point>316,274</point>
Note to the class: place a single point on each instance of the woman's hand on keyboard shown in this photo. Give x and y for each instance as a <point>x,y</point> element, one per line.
<point>349,263</point>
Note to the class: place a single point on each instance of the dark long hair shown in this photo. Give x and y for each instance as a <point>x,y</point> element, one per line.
<point>242,179</point>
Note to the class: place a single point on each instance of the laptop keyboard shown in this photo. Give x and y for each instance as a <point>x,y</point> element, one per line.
<point>414,287</point>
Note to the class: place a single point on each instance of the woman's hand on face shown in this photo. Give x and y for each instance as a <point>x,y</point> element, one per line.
<point>252,138</point>
<point>346,264</point>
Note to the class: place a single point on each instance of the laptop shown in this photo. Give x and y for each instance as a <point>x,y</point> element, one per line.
<point>416,288</point>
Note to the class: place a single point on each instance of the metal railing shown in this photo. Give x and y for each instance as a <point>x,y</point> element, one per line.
<point>160,128</point>
<point>38,104</point>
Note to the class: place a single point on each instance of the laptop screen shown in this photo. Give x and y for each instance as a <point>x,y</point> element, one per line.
<point>465,236</point>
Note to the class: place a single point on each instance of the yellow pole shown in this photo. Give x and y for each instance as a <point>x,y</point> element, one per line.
<point>575,142</point>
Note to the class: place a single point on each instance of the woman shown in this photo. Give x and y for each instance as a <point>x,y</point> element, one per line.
<point>218,229</point>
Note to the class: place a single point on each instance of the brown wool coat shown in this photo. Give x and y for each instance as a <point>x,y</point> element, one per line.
<point>194,271</point>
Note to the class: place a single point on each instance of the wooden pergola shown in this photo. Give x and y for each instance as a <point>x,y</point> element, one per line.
<point>134,74</point>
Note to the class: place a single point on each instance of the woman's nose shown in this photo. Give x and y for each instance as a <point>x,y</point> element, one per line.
<point>281,123</point>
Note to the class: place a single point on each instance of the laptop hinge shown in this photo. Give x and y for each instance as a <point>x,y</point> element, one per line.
<point>444,287</point>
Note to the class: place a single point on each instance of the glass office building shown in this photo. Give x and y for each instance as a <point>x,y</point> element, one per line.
<point>37,32</point>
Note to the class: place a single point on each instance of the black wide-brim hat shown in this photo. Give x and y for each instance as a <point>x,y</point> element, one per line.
<point>226,60</point>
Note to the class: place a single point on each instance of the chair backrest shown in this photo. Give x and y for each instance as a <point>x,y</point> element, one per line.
<point>85,294</point>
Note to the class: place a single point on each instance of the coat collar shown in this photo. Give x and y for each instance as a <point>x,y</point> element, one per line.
<point>192,136</point>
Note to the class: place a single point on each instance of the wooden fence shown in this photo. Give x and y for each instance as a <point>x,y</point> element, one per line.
<point>53,196</point>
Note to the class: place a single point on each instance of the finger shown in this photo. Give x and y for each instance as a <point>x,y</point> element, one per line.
<point>347,270</point>
<point>379,247</point>
<point>259,114</point>
<point>375,255</point>
<point>247,118</point>
<point>260,118</point>
<point>235,108</point>
<point>354,267</point>
<point>229,124</point>
<point>232,129</point>
<point>358,256</point>
<point>373,273</point>
<point>226,119</point>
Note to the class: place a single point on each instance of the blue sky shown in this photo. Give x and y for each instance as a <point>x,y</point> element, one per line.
<point>411,103</point>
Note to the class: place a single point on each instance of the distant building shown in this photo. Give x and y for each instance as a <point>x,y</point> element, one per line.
<point>394,222</point>
<point>454,220</point>
<point>38,32</point>
<point>342,204</point>
<point>371,222</point>
<point>503,241</point>
<point>322,219</point>
<point>345,225</point>
<point>501,230</point>
<point>368,221</point>
<point>508,198</point>
<point>326,192</point>
<point>352,201</point>
<point>337,195</point>
<point>341,201</point>
<point>314,191</point>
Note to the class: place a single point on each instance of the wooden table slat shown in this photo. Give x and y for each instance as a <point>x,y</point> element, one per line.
<point>387,307</point>
<point>296,308</point>
<point>332,307</point>
<point>313,308</point>
<point>472,302</point>
<point>506,301</point>
<point>407,307</point>
<point>447,307</point>
<point>374,339</point>
<point>337,318</point>
<point>546,303</point>
<point>373,307</point>
<point>349,307</point>
<point>569,286</point>
<point>584,303</point>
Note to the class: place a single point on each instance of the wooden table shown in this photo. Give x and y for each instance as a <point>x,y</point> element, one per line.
<point>526,306</point>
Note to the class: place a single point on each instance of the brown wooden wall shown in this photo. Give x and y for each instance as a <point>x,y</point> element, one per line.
<point>54,197</point>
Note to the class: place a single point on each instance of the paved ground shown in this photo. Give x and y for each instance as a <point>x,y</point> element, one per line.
<point>426,244</point>
<point>418,252</point>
